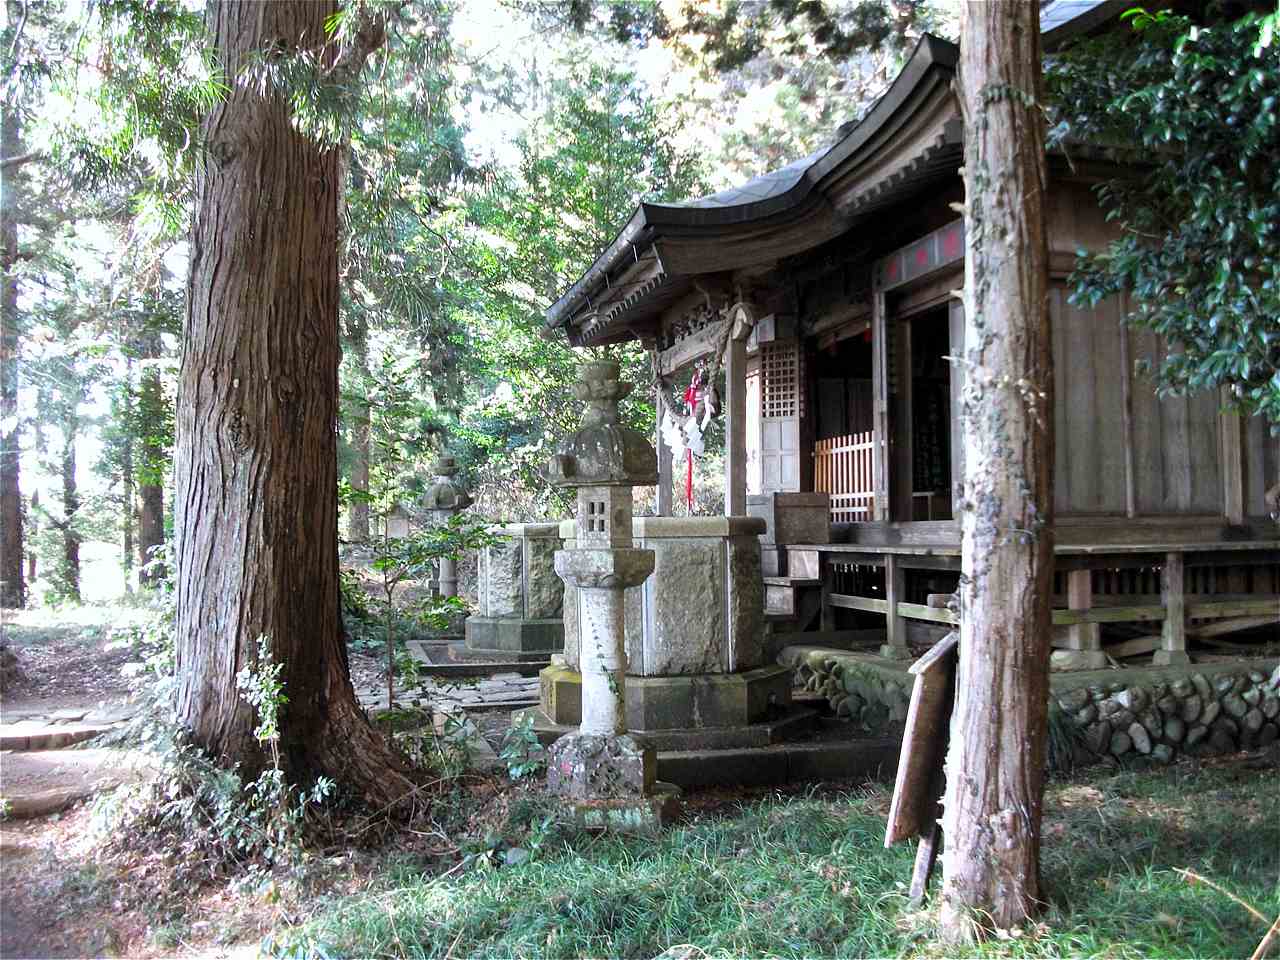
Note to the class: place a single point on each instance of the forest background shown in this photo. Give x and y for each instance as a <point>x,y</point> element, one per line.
<point>490,148</point>
<point>493,149</point>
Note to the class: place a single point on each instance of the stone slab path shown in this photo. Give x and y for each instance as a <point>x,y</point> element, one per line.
<point>505,691</point>
<point>38,782</point>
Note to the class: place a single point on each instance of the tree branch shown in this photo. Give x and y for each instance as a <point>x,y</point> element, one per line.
<point>368,36</point>
<point>19,159</point>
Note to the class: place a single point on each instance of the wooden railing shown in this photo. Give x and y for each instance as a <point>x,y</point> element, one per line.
<point>843,468</point>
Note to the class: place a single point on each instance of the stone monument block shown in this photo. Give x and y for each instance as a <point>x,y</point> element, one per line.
<point>502,579</point>
<point>520,597</point>
<point>600,767</point>
<point>544,590</point>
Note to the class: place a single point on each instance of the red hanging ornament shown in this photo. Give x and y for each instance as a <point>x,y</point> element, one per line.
<point>692,395</point>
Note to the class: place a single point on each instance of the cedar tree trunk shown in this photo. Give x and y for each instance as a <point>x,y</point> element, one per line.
<point>995,764</point>
<point>12,586</point>
<point>256,513</point>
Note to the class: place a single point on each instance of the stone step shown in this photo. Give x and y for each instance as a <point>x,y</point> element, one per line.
<point>27,735</point>
<point>783,763</point>
<point>792,581</point>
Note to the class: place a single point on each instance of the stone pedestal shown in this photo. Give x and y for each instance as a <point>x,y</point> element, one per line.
<point>520,596</point>
<point>694,636</point>
<point>789,518</point>
<point>600,769</point>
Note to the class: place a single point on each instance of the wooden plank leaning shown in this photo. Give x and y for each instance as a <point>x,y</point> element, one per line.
<point>916,806</point>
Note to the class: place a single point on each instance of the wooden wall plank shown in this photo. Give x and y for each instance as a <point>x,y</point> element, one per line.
<point>1089,407</point>
<point>1261,465</point>
<point>1231,431</point>
<point>956,323</point>
<point>1204,452</point>
<point>1148,440</point>
<point>1126,412</point>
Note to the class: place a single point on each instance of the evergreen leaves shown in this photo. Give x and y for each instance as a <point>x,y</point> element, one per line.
<point>1201,221</point>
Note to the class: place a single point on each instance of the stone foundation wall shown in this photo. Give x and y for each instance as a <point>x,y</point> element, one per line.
<point>857,687</point>
<point>1205,711</point>
<point>1157,714</point>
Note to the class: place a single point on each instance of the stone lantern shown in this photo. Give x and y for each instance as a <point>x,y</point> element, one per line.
<point>444,498</point>
<point>600,764</point>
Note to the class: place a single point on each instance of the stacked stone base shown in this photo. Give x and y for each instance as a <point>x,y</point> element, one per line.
<point>513,639</point>
<point>646,816</point>
<point>1153,713</point>
<point>1199,710</point>
<point>656,705</point>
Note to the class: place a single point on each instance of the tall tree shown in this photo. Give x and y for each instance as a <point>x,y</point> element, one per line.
<point>996,761</point>
<point>152,420</point>
<point>256,516</point>
<point>12,585</point>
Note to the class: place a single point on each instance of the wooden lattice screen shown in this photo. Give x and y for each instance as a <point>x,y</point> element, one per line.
<point>780,366</point>
<point>843,468</point>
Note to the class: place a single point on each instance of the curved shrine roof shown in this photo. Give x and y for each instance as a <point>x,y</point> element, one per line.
<point>908,139</point>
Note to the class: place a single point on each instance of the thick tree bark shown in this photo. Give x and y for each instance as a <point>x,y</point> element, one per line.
<point>256,515</point>
<point>12,585</point>
<point>995,765</point>
<point>151,487</point>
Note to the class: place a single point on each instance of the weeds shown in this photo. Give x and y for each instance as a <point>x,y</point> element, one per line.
<point>207,818</point>
<point>809,877</point>
<point>521,751</point>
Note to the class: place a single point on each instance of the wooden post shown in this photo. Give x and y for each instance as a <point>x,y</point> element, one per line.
<point>902,501</point>
<point>664,461</point>
<point>896,625</point>
<point>1173,637</point>
<point>880,405</point>
<point>735,431</point>
<point>827,573</point>
<point>1083,640</point>
<point>1126,413</point>
<point>1232,465</point>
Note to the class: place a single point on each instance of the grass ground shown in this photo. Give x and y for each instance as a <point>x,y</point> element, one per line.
<point>807,876</point>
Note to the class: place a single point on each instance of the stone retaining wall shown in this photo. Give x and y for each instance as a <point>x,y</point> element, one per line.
<point>1205,711</point>
<point>1156,713</point>
<point>861,687</point>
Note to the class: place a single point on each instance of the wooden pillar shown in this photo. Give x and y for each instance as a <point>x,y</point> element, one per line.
<point>1173,637</point>
<point>895,591</point>
<point>735,431</point>
<point>880,404</point>
<point>1083,640</point>
<point>902,444</point>
<point>1126,415</point>
<point>663,505</point>
<point>1230,430</point>
<point>826,571</point>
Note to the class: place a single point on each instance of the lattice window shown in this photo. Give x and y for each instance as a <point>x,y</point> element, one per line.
<point>597,522</point>
<point>780,380</point>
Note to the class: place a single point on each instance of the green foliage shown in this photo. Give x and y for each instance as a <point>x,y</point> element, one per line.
<point>599,146</point>
<point>1200,220</point>
<point>142,80</point>
<point>521,750</point>
<point>210,818</point>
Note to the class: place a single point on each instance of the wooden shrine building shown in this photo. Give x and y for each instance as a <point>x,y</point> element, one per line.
<point>839,275</point>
